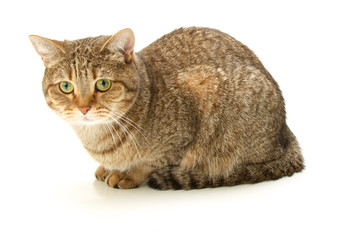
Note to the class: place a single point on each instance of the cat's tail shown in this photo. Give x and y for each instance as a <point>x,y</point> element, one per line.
<point>173,177</point>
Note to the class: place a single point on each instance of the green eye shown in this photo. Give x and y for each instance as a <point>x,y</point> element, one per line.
<point>66,87</point>
<point>103,85</point>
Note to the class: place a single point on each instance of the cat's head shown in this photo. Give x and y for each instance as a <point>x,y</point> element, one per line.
<point>91,80</point>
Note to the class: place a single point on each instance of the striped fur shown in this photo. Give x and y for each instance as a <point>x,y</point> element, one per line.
<point>194,109</point>
<point>176,178</point>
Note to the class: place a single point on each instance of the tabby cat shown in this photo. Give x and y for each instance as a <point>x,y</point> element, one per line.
<point>194,109</point>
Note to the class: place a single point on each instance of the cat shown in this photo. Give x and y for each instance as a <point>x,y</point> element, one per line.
<point>194,109</point>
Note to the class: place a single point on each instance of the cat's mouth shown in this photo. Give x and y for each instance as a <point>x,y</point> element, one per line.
<point>88,120</point>
<point>85,120</point>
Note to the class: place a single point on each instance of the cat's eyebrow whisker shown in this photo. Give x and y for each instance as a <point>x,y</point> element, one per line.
<point>126,131</point>
<point>133,124</point>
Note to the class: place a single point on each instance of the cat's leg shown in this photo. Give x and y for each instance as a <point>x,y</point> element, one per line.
<point>125,180</point>
<point>135,176</point>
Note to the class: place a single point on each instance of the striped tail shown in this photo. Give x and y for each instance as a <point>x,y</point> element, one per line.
<point>174,177</point>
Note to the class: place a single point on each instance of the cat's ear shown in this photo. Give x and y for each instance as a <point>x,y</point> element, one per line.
<point>122,43</point>
<point>49,50</point>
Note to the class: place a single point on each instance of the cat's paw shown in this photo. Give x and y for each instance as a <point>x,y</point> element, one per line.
<point>101,173</point>
<point>116,179</point>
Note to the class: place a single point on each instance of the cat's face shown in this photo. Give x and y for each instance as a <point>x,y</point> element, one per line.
<point>89,81</point>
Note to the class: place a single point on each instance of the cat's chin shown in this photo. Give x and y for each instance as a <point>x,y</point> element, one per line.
<point>85,121</point>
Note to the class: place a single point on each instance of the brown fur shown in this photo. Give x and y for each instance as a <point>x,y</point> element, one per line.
<point>194,109</point>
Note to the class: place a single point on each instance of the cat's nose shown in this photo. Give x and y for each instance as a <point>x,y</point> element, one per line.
<point>84,109</point>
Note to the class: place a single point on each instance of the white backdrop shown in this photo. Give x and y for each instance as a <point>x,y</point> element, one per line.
<point>310,47</point>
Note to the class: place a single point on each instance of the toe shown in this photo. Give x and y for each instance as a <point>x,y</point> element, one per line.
<point>113,179</point>
<point>101,173</point>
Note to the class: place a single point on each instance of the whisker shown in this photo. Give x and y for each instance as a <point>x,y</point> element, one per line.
<point>107,125</point>
<point>125,130</point>
<point>124,116</point>
<point>133,124</point>
<point>116,133</point>
<point>136,126</point>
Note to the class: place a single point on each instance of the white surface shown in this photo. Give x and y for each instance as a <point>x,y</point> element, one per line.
<point>311,48</point>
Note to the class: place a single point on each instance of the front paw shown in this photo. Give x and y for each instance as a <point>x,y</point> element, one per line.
<point>101,173</point>
<point>116,179</point>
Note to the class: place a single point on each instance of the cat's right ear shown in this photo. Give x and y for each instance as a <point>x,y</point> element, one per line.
<point>49,50</point>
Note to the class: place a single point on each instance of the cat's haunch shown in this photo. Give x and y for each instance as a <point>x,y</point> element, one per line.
<point>194,109</point>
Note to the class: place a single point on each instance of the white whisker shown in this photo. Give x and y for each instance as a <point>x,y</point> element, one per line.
<point>133,124</point>
<point>124,116</point>
<point>126,131</point>
<point>107,125</point>
<point>115,145</point>
<point>116,133</point>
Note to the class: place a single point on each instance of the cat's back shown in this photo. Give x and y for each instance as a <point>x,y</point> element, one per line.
<point>186,47</point>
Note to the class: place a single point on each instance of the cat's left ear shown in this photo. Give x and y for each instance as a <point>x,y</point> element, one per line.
<point>49,50</point>
<point>121,43</point>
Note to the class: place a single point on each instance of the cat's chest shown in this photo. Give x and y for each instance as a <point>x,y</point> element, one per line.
<point>120,157</point>
<point>111,149</point>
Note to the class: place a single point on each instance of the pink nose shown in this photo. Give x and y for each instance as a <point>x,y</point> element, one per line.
<point>84,109</point>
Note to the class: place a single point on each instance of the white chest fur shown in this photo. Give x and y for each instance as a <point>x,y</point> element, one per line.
<point>111,148</point>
